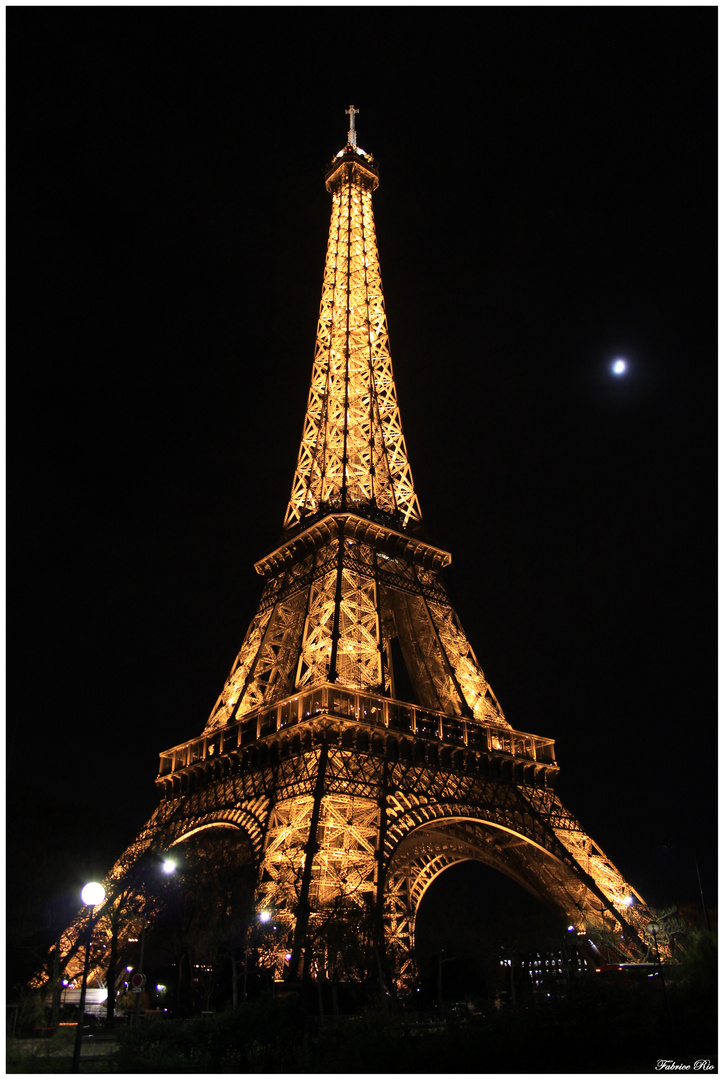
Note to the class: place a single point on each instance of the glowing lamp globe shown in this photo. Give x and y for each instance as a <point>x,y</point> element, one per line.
<point>93,894</point>
<point>264,916</point>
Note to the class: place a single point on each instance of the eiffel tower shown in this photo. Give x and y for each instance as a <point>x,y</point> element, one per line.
<point>356,749</point>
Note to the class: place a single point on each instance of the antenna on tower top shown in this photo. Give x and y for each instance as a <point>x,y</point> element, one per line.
<point>351,134</point>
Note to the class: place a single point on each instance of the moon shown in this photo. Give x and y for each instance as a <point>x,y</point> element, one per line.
<point>619,367</point>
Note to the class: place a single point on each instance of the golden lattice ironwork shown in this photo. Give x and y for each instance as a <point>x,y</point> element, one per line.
<point>335,601</point>
<point>353,452</point>
<point>348,796</point>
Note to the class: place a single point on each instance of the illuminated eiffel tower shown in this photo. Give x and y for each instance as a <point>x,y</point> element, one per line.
<point>349,792</point>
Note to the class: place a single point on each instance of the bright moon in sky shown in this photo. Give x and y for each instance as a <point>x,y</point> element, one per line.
<point>618,367</point>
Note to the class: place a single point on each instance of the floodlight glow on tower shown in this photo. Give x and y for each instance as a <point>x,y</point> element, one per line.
<point>343,787</point>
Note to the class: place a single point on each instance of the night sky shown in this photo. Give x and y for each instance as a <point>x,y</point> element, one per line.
<point>547,204</point>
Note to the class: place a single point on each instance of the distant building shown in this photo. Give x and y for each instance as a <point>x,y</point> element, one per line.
<point>95,999</point>
<point>540,974</point>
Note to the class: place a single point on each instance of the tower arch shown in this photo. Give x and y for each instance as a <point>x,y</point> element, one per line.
<point>431,848</point>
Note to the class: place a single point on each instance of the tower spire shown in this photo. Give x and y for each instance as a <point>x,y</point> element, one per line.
<point>351,134</point>
<point>353,453</point>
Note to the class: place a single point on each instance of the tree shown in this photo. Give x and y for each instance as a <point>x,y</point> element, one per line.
<point>207,910</point>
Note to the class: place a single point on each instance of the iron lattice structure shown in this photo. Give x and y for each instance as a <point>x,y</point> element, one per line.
<point>349,798</point>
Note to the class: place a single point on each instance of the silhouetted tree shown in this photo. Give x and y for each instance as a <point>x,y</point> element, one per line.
<point>208,909</point>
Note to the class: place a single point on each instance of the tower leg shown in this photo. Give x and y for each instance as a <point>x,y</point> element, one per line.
<point>378,927</point>
<point>303,907</point>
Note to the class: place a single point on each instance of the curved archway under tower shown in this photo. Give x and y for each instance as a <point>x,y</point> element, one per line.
<point>471,920</point>
<point>429,850</point>
<point>197,926</point>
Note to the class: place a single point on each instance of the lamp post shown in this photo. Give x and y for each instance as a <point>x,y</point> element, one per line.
<point>92,896</point>
<point>139,990</point>
<point>262,917</point>
<point>168,866</point>
<point>701,894</point>
<point>653,928</point>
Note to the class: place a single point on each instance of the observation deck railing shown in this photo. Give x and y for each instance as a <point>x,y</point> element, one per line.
<point>357,706</point>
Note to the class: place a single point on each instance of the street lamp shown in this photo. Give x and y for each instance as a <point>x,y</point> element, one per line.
<point>168,867</point>
<point>93,894</point>
<point>654,929</point>
<point>262,917</point>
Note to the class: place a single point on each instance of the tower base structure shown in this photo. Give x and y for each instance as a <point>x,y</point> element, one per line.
<point>347,806</point>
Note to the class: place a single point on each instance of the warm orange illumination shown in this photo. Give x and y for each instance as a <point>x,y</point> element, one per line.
<point>349,801</point>
<point>353,451</point>
<point>326,615</point>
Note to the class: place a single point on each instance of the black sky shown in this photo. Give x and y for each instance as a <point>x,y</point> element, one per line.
<point>547,203</point>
